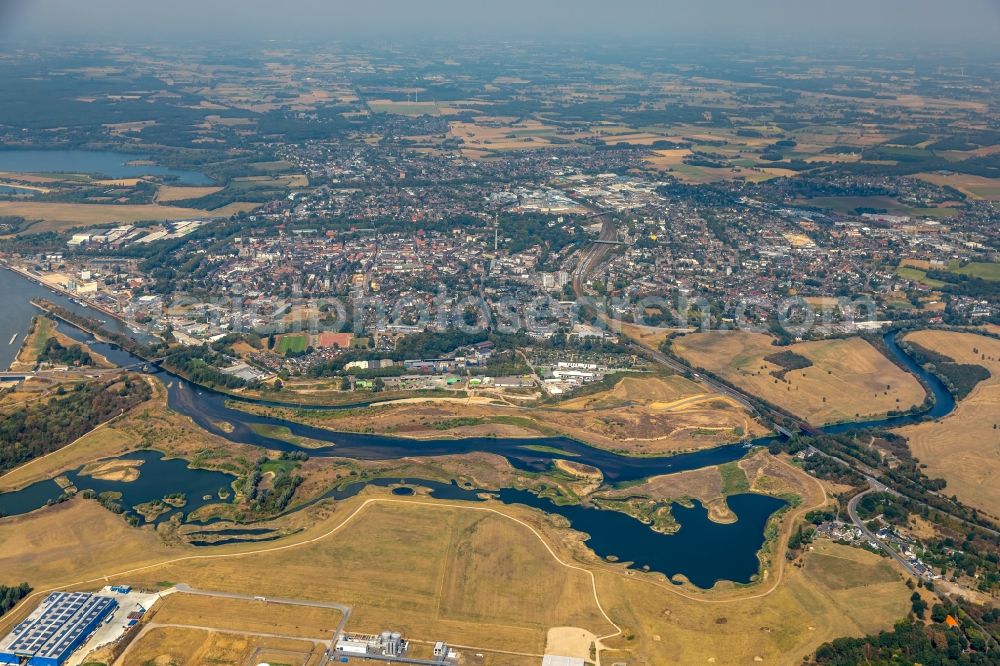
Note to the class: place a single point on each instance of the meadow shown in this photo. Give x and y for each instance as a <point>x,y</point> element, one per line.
<point>964,447</point>
<point>847,379</point>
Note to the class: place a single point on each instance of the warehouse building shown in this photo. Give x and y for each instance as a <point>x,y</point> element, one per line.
<point>60,624</point>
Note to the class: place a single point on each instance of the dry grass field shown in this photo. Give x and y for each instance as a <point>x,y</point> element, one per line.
<point>63,216</point>
<point>811,605</point>
<point>848,379</point>
<point>652,415</point>
<point>190,646</point>
<point>168,193</point>
<point>250,616</point>
<point>964,447</point>
<point>976,187</point>
<point>466,575</point>
<point>469,577</point>
<point>760,472</point>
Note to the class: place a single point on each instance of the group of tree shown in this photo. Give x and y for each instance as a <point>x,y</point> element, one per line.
<point>56,353</point>
<point>40,428</point>
<point>10,595</point>
<point>910,642</point>
<point>198,364</point>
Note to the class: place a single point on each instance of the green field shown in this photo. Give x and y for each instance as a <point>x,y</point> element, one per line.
<point>982,270</point>
<point>292,343</point>
<point>917,275</point>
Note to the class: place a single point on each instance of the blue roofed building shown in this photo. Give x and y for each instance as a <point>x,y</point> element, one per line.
<point>61,624</point>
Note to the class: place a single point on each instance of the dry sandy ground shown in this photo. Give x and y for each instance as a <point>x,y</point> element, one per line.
<point>848,379</point>
<point>569,642</point>
<point>964,447</point>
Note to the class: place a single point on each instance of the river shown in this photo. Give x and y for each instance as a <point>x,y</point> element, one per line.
<point>701,550</point>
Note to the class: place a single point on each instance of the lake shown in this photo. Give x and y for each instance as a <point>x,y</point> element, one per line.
<point>104,163</point>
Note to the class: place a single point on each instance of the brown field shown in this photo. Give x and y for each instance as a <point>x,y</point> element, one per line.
<point>811,606</point>
<point>647,336</point>
<point>976,187</point>
<point>243,615</point>
<point>964,447</point>
<point>848,379</point>
<point>437,575</point>
<point>167,193</point>
<point>185,645</point>
<point>63,216</point>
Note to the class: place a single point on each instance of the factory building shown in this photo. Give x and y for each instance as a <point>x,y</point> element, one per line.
<point>60,624</point>
<point>386,644</point>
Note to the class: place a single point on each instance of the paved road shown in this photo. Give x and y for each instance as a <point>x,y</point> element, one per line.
<point>155,625</point>
<point>852,511</point>
<point>345,610</point>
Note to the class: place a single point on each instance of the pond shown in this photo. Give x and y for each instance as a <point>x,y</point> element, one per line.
<point>158,477</point>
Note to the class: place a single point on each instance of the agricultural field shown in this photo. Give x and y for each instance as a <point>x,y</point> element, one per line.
<point>407,108</point>
<point>168,193</point>
<point>65,216</point>
<point>846,379</point>
<point>976,187</point>
<point>964,447</point>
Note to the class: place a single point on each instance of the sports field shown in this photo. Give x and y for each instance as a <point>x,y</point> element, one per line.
<point>964,447</point>
<point>292,343</point>
<point>848,379</point>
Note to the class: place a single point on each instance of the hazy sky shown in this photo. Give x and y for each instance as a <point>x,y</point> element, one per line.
<point>918,22</point>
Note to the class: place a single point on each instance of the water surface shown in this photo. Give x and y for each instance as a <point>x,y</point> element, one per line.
<point>94,162</point>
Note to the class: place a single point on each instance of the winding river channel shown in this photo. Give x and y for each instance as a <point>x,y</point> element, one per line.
<point>701,550</point>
